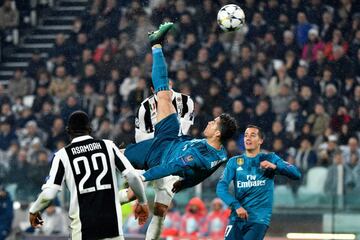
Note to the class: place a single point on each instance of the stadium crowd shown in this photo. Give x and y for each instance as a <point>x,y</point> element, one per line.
<point>294,70</point>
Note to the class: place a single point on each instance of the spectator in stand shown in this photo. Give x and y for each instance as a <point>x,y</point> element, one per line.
<point>281,77</point>
<point>43,78</point>
<point>7,135</point>
<point>89,78</point>
<point>60,47</point>
<point>6,213</point>
<point>112,101</point>
<point>71,105</point>
<point>280,102</point>
<point>25,188</point>
<point>104,67</point>
<point>342,64</point>
<point>347,89</point>
<point>302,29</point>
<point>7,115</point>
<point>277,131</point>
<point>305,156</point>
<point>311,48</point>
<point>36,65</point>
<point>302,78</point>
<point>339,180</point>
<point>42,96</point>
<point>216,220</point>
<point>46,117</point>
<point>99,116</point>
<point>106,130</point>
<point>341,117</point>
<point>327,150</point>
<point>57,134</point>
<point>337,40</point>
<point>293,120</point>
<point>126,135</point>
<point>60,83</point>
<point>85,59</point>
<point>193,219</point>
<point>327,27</point>
<point>288,43</point>
<point>137,95</point>
<point>19,85</point>
<point>332,100</point>
<point>351,151</point>
<point>319,120</point>
<point>9,20</point>
<point>263,68</point>
<point>240,114</point>
<point>307,100</point>
<point>316,67</point>
<point>89,99</point>
<point>130,82</point>
<point>263,115</point>
<point>257,28</point>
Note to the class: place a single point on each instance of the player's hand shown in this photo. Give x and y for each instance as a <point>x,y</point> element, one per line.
<point>242,213</point>
<point>36,220</point>
<point>177,186</point>
<point>267,165</point>
<point>141,213</point>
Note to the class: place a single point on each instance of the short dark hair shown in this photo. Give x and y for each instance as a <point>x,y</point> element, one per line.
<point>79,123</point>
<point>228,127</point>
<point>261,131</point>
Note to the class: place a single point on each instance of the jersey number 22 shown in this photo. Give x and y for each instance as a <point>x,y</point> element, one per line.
<point>94,162</point>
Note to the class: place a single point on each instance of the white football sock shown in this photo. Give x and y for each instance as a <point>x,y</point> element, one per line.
<point>155,228</point>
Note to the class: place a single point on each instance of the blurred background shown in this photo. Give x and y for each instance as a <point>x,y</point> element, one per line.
<point>294,69</point>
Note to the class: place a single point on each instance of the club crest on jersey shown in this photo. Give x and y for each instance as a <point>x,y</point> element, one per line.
<point>240,161</point>
<point>189,158</point>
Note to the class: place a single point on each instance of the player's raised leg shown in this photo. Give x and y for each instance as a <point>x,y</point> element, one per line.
<point>159,72</point>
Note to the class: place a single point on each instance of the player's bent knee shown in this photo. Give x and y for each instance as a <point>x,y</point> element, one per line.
<point>160,209</point>
<point>164,197</point>
<point>165,96</point>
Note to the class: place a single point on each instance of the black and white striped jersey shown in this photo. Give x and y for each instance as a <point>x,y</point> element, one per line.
<point>146,115</point>
<point>88,168</point>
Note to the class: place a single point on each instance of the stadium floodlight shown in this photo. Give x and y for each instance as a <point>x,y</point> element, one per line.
<point>320,236</point>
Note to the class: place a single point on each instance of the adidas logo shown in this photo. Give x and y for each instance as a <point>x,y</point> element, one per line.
<point>239,168</point>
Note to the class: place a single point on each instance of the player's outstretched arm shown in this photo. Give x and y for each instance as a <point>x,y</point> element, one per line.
<point>170,168</point>
<point>136,186</point>
<point>281,167</point>
<point>197,178</point>
<point>222,188</point>
<point>158,172</point>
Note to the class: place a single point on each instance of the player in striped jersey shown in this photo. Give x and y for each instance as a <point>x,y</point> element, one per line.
<point>88,167</point>
<point>147,114</point>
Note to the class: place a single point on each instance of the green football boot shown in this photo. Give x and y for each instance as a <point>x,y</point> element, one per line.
<point>158,36</point>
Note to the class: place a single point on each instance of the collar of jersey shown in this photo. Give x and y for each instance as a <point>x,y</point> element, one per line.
<point>211,147</point>
<point>81,138</point>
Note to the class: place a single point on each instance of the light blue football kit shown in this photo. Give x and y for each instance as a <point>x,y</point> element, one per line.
<point>168,154</point>
<point>253,190</point>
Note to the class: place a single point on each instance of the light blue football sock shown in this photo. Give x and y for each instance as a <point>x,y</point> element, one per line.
<point>159,71</point>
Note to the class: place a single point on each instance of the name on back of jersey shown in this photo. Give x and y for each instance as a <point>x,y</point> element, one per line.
<point>85,148</point>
